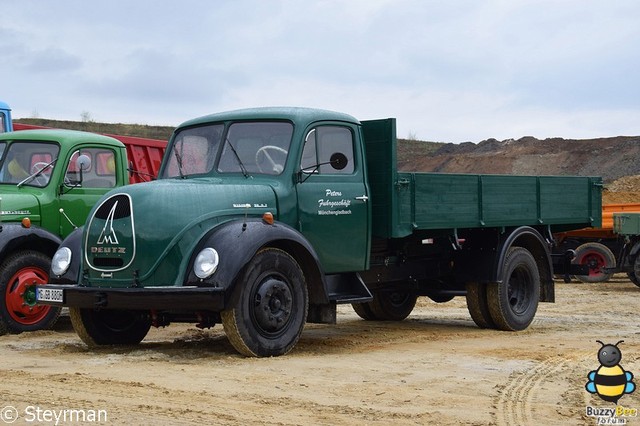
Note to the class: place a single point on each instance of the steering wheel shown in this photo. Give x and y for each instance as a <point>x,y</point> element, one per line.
<point>277,168</point>
<point>38,167</point>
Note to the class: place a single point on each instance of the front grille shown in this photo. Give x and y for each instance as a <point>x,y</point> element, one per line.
<point>111,262</point>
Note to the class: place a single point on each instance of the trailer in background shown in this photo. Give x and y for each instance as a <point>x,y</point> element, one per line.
<point>601,249</point>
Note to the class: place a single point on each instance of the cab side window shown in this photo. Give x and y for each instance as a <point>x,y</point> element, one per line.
<point>321,143</point>
<point>99,172</point>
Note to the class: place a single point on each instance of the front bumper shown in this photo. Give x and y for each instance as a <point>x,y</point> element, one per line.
<point>156,298</point>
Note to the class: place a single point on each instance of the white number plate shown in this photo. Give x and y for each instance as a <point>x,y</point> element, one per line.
<point>50,295</point>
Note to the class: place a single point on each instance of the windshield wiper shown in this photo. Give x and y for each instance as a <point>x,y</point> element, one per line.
<point>36,174</point>
<point>179,160</point>
<point>242,167</point>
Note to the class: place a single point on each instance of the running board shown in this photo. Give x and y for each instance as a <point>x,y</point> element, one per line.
<point>347,288</point>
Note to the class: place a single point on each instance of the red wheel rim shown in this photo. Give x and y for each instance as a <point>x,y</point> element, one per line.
<point>20,296</point>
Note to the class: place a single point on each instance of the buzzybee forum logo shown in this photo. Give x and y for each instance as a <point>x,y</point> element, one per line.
<point>610,382</point>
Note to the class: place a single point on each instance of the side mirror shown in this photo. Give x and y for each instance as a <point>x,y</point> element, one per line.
<point>83,162</point>
<point>338,160</point>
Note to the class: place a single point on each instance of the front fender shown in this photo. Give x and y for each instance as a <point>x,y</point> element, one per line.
<point>14,236</point>
<point>239,240</point>
<point>635,248</point>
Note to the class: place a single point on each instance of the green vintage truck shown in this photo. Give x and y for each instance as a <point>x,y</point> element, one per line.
<point>264,219</point>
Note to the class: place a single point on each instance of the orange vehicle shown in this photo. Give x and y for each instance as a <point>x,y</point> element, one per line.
<point>598,248</point>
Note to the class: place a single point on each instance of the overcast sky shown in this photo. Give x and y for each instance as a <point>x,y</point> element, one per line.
<point>449,71</point>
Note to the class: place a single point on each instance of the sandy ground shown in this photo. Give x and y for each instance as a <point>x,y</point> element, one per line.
<point>436,367</point>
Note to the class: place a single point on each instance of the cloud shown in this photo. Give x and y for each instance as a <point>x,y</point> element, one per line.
<point>449,71</point>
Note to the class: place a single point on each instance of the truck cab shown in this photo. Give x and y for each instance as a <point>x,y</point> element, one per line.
<point>5,118</point>
<point>49,180</point>
<point>310,171</point>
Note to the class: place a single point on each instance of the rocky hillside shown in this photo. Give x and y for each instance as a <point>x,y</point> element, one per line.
<point>610,158</point>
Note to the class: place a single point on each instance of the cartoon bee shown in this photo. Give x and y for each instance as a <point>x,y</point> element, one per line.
<point>610,381</point>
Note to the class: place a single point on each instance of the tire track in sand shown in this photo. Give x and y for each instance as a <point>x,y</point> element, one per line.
<point>517,402</point>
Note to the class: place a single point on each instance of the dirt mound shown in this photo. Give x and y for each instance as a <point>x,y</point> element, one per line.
<point>611,158</point>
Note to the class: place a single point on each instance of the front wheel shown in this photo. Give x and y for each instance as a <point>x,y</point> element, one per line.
<point>109,326</point>
<point>598,258</point>
<point>270,307</point>
<point>19,274</point>
<point>513,302</point>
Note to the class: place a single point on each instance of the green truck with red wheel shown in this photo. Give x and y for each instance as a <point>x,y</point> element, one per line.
<point>49,180</point>
<point>265,219</point>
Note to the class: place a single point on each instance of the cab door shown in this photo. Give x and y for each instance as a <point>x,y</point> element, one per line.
<point>81,189</point>
<point>333,198</point>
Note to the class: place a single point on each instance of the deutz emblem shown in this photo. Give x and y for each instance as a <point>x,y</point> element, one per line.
<point>110,239</point>
<point>108,235</point>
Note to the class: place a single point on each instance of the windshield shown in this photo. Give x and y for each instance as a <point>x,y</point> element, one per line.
<point>30,160</point>
<point>247,148</point>
<point>2,123</point>
<point>260,148</point>
<point>193,151</point>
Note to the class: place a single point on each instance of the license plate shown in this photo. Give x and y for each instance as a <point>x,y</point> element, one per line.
<point>50,295</point>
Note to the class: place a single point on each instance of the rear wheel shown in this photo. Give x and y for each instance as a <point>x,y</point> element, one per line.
<point>109,326</point>
<point>19,274</point>
<point>392,305</point>
<point>598,258</point>
<point>364,311</point>
<point>514,301</point>
<point>270,307</point>
<point>478,306</point>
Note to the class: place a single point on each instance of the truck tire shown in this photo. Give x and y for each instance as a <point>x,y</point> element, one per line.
<point>109,326</point>
<point>19,274</point>
<point>634,274</point>
<point>514,301</point>
<point>478,306</point>
<point>364,311</point>
<point>270,308</point>
<point>597,256</point>
<point>392,305</point>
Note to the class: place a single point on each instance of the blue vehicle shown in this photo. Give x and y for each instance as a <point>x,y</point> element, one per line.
<point>5,118</point>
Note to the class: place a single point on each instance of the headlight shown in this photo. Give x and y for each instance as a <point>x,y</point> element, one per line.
<point>61,261</point>
<point>206,263</point>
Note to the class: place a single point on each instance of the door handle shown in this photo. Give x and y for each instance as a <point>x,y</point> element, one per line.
<point>362,198</point>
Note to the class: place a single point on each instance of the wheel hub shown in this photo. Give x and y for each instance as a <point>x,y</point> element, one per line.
<point>272,304</point>
<point>20,296</point>
<point>517,292</point>
<point>595,263</point>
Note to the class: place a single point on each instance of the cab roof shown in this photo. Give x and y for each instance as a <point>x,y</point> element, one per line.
<point>60,136</point>
<point>298,115</point>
